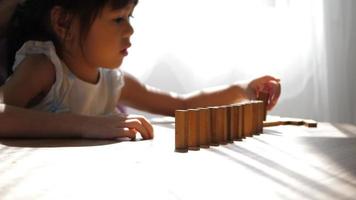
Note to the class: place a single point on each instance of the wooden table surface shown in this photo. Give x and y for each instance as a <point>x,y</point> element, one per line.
<point>285,162</point>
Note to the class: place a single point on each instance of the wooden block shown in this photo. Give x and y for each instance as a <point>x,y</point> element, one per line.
<point>204,127</point>
<point>221,125</point>
<point>299,122</point>
<point>234,122</point>
<point>242,115</point>
<point>291,121</point>
<point>310,123</point>
<point>193,130</point>
<point>181,131</point>
<point>264,96</point>
<point>228,124</point>
<point>254,117</point>
<point>271,123</point>
<point>214,140</point>
<point>260,116</point>
<point>248,120</point>
<point>277,121</point>
<point>240,122</point>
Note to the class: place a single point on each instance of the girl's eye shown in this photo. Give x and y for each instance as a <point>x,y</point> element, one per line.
<point>120,19</point>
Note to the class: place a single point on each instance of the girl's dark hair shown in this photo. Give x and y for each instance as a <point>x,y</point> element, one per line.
<point>31,21</point>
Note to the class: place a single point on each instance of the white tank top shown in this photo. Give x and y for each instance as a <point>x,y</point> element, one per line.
<point>71,94</point>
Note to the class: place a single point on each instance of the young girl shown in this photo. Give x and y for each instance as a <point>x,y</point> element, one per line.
<point>64,56</point>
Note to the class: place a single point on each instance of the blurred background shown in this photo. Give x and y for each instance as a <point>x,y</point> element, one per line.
<point>185,45</point>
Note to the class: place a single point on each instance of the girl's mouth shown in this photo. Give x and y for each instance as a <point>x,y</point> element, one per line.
<point>124,52</point>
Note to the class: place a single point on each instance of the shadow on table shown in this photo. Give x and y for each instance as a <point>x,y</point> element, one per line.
<point>258,171</point>
<point>337,153</point>
<point>272,132</point>
<point>53,143</point>
<point>347,129</point>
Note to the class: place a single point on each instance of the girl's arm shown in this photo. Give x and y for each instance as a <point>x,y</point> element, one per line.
<point>18,122</point>
<point>34,77</point>
<point>153,100</point>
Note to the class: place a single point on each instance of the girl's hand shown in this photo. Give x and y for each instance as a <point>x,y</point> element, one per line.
<point>118,126</point>
<point>266,84</point>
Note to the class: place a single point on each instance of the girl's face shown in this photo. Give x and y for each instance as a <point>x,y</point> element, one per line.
<point>108,38</point>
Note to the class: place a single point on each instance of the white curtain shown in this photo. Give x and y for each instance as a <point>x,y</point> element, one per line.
<point>340,26</point>
<point>185,45</point>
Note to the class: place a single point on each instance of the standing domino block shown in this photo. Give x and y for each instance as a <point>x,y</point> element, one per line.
<point>240,122</point>
<point>193,130</point>
<point>181,131</point>
<point>230,135</point>
<point>263,96</point>
<point>225,124</point>
<point>204,127</point>
<point>260,116</point>
<point>248,120</point>
<point>214,129</point>
<point>234,122</point>
<point>221,125</point>
<point>254,117</point>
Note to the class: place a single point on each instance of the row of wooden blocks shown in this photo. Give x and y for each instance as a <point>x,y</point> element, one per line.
<point>213,126</point>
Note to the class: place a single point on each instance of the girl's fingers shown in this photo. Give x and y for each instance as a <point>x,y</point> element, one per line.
<point>126,132</point>
<point>271,103</point>
<point>266,79</point>
<point>264,83</point>
<point>138,126</point>
<point>119,126</point>
<point>277,93</point>
<point>147,126</point>
<point>145,123</point>
<point>274,91</point>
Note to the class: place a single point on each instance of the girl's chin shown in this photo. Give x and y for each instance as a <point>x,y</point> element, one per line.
<point>114,65</point>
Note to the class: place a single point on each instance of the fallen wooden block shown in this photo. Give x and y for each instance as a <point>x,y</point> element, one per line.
<point>278,121</point>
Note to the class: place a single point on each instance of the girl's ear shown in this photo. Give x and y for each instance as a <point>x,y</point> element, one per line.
<point>61,23</point>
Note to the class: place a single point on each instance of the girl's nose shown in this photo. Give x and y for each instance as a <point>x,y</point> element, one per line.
<point>128,30</point>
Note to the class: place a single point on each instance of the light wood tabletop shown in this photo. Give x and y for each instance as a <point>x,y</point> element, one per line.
<point>285,162</point>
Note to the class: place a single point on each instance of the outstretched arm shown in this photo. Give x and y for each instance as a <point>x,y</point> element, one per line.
<point>143,97</point>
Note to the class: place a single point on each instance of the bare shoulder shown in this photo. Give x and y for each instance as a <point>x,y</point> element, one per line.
<point>37,66</point>
<point>37,61</point>
<point>33,77</point>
